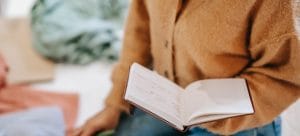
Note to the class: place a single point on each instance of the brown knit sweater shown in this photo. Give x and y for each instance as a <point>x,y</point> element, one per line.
<point>192,40</point>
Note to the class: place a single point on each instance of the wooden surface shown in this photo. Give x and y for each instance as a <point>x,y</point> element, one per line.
<point>25,65</point>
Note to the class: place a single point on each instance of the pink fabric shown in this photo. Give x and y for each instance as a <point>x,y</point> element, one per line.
<point>16,98</point>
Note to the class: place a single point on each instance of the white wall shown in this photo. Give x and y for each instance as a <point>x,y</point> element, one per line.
<point>17,8</point>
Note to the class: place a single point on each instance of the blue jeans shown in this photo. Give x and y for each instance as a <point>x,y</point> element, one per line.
<point>142,124</point>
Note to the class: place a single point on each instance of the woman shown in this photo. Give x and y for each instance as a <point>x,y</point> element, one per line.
<point>189,40</point>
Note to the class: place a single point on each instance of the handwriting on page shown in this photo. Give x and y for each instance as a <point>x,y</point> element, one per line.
<point>154,92</point>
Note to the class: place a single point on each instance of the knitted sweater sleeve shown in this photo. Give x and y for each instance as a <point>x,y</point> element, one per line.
<point>273,75</point>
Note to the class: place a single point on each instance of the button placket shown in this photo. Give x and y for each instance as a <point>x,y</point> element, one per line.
<point>171,44</point>
<point>169,71</point>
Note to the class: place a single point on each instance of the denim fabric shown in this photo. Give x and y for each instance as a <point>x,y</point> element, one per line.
<point>272,129</point>
<point>42,121</point>
<point>142,124</point>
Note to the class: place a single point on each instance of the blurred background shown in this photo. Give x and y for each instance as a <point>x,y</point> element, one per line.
<point>81,40</point>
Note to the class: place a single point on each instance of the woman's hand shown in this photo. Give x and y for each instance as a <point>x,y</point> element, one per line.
<point>105,120</point>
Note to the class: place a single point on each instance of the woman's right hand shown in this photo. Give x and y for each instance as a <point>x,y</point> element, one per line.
<point>105,120</point>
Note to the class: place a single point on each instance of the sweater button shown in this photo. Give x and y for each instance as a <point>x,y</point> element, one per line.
<point>166,44</point>
<point>166,74</point>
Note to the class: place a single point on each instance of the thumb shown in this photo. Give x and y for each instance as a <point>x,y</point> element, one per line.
<point>89,131</point>
<point>77,132</point>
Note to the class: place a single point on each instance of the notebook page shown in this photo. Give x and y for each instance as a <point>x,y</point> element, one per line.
<point>207,118</point>
<point>217,96</point>
<point>154,93</point>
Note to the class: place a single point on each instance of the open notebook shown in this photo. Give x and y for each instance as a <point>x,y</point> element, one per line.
<point>201,101</point>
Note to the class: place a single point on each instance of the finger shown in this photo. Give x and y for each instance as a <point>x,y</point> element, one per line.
<point>77,132</point>
<point>89,131</point>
